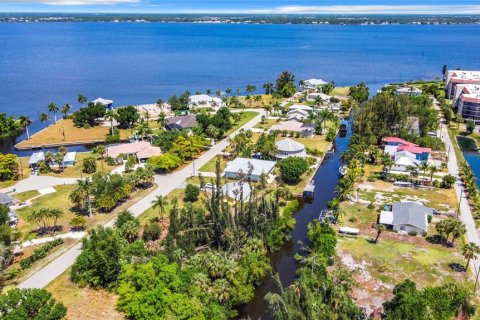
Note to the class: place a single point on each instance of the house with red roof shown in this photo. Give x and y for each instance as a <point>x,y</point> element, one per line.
<point>395,144</point>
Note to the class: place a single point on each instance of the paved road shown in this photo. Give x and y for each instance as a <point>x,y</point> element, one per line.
<point>166,183</point>
<point>38,182</point>
<point>465,211</point>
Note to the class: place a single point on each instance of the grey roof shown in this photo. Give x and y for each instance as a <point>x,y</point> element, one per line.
<point>185,122</point>
<point>411,213</point>
<point>35,157</point>
<point>289,145</point>
<point>242,164</point>
<point>234,190</point>
<point>5,198</point>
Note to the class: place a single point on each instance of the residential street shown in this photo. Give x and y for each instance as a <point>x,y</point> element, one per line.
<point>38,182</point>
<point>465,212</point>
<point>166,183</point>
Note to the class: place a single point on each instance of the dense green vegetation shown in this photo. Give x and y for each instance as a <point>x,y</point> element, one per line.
<point>387,114</point>
<point>9,126</point>
<point>292,168</point>
<point>32,304</point>
<point>6,248</point>
<point>40,253</point>
<point>8,166</point>
<point>87,116</point>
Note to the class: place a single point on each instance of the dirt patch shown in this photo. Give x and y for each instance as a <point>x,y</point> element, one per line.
<point>369,294</point>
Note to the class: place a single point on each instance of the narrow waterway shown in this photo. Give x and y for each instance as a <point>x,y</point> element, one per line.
<point>283,261</point>
<point>470,153</point>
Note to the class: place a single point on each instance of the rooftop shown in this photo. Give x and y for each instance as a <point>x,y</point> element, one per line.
<point>187,121</point>
<point>315,82</point>
<point>142,149</point>
<point>289,145</point>
<point>411,213</point>
<point>243,164</point>
<point>102,101</point>
<point>293,125</point>
<point>35,157</point>
<point>5,198</point>
<point>237,190</point>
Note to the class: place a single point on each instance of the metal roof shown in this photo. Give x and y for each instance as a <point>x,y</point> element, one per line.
<point>5,198</point>
<point>237,191</point>
<point>411,213</point>
<point>242,164</point>
<point>35,157</point>
<point>289,145</point>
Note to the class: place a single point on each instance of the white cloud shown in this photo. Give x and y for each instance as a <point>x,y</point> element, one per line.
<point>384,9</point>
<point>76,2</point>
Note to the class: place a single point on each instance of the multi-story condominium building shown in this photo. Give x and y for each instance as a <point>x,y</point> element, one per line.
<point>460,77</point>
<point>468,103</point>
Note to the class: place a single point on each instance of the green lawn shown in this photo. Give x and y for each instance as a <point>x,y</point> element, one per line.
<point>341,91</point>
<point>76,170</point>
<point>23,196</point>
<point>266,124</point>
<point>393,261</point>
<point>246,117</point>
<point>210,165</point>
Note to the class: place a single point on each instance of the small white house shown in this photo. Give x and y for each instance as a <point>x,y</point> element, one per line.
<point>409,91</point>
<point>104,102</point>
<point>404,159</point>
<point>243,166</point>
<point>35,158</point>
<point>297,114</point>
<point>406,217</point>
<point>205,101</point>
<point>69,159</point>
<point>290,148</point>
<point>6,200</point>
<point>237,191</point>
<point>314,95</point>
<point>313,83</point>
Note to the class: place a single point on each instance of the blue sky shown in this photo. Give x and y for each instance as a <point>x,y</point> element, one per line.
<point>246,6</point>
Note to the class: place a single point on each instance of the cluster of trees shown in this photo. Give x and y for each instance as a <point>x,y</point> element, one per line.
<point>387,114</point>
<point>11,127</point>
<point>215,126</point>
<point>471,186</point>
<point>8,166</point>
<point>127,117</point>
<point>285,84</point>
<point>448,301</point>
<point>6,248</point>
<point>292,168</point>
<point>108,190</point>
<point>359,92</point>
<point>317,293</point>
<point>452,227</point>
<point>45,218</point>
<point>179,103</point>
<point>33,304</point>
<point>86,117</point>
<point>242,145</point>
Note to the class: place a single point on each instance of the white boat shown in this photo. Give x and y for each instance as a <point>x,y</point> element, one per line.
<point>343,170</point>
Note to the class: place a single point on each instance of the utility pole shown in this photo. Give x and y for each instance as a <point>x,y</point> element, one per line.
<point>476,280</point>
<point>459,201</point>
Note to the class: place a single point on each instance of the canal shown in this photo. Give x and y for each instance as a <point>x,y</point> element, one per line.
<point>282,261</point>
<point>470,153</point>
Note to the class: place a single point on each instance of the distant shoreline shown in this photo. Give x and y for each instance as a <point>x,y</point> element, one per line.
<point>311,19</point>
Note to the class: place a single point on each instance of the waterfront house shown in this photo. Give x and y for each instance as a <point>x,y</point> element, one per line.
<point>6,200</point>
<point>406,217</point>
<point>290,148</point>
<point>459,77</point>
<point>104,102</point>
<point>205,101</point>
<point>314,95</point>
<point>237,190</point>
<point>35,158</point>
<point>142,150</point>
<point>394,144</point>
<point>69,159</point>
<point>313,84</point>
<point>251,168</point>
<point>297,114</point>
<point>182,122</point>
<point>404,159</point>
<point>305,129</point>
<point>408,90</point>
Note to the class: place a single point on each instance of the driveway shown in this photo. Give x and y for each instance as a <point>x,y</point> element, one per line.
<point>38,182</point>
<point>166,183</point>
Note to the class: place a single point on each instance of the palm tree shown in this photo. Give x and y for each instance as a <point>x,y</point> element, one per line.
<point>413,170</point>
<point>433,170</point>
<point>268,87</point>
<point>469,251</point>
<point>110,116</point>
<point>160,202</point>
<point>86,186</point>
<point>228,91</point>
<point>101,151</point>
<point>44,117</point>
<point>334,207</point>
<point>162,119</point>
<point>380,228</point>
<point>159,102</point>
<point>82,99</point>
<point>251,88</point>
<point>424,166</point>
<point>66,109</point>
<point>25,122</point>
<point>323,116</point>
<point>52,107</point>
<point>58,157</point>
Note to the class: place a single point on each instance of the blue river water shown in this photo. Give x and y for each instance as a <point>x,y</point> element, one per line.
<point>133,63</point>
<point>471,154</point>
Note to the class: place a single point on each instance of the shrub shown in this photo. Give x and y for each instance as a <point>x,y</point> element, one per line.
<point>373,177</point>
<point>78,222</point>
<point>448,181</point>
<point>429,218</point>
<point>110,161</point>
<point>40,253</point>
<point>413,233</point>
<point>112,138</point>
<point>151,232</point>
<point>191,193</point>
<point>292,168</point>
<point>89,165</point>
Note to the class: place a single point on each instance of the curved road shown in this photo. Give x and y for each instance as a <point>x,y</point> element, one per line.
<point>166,183</point>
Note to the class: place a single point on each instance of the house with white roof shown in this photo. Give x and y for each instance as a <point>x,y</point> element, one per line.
<point>404,159</point>
<point>142,150</point>
<point>312,84</point>
<point>251,168</point>
<point>406,217</point>
<point>305,129</point>
<point>69,159</point>
<point>35,158</point>
<point>408,91</point>
<point>104,102</point>
<point>290,148</point>
<point>314,95</point>
<point>205,101</point>
<point>237,190</point>
<point>6,200</point>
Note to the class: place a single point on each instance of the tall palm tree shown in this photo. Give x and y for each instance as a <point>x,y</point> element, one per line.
<point>66,109</point>
<point>52,107</point>
<point>25,122</point>
<point>86,186</point>
<point>228,91</point>
<point>424,166</point>
<point>162,119</point>
<point>380,228</point>
<point>110,115</point>
<point>334,206</point>
<point>432,170</point>
<point>323,116</point>
<point>469,251</point>
<point>82,99</point>
<point>251,88</point>
<point>160,202</point>
<point>268,87</point>
<point>44,117</point>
